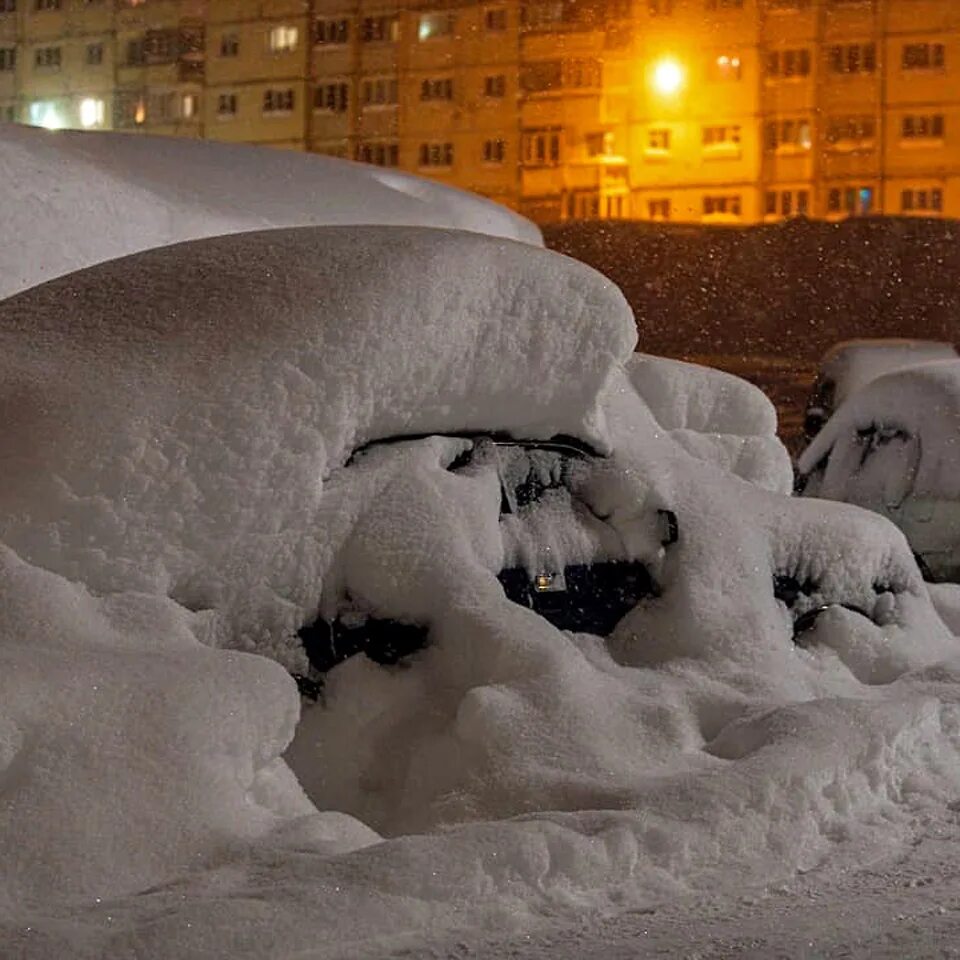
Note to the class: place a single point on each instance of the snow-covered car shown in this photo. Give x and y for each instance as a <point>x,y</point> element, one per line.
<point>134,188</point>
<point>208,446</point>
<point>894,447</point>
<point>561,558</point>
<point>849,366</point>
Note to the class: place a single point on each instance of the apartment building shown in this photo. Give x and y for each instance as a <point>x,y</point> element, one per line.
<point>715,111</point>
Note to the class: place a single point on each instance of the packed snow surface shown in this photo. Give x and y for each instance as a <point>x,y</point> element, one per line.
<point>181,493</point>
<point>72,199</point>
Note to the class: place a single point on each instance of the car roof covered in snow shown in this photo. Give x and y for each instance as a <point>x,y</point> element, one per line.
<point>852,364</point>
<point>144,192</point>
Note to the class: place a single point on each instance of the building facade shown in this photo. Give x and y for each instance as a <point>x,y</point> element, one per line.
<point>714,111</point>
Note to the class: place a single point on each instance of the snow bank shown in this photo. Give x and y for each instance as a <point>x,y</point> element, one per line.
<point>715,417</point>
<point>144,192</point>
<point>177,435</point>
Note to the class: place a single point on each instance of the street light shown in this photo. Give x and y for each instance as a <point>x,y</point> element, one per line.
<point>668,76</point>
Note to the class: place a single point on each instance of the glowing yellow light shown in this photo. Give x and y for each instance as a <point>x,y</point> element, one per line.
<point>667,77</point>
<point>543,581</point>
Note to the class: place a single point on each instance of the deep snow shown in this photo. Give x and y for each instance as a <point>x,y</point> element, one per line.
<point>71,199</point>
<point>178,497</point>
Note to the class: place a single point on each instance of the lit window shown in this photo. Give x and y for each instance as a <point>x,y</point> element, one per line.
<point>725,67</point>
<point>283,39</point>
<point>433,25</point>
<point>91,112</point>
<point>44,113</point>
<point>189,106</point>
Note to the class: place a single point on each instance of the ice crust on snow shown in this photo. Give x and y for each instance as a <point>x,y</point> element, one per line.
<point>176,458</point>
<point>73,199</point>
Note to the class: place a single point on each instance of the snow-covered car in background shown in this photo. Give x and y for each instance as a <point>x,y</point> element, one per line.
<point>145,191</point>
<point>894,447</point>
<point>849,366</point>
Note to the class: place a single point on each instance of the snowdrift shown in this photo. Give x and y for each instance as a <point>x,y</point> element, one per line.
<point>179,496</point>
<point>142,192</point>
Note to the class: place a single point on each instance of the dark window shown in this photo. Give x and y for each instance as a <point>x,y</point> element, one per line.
<point>494,151</point>
<point>495,19</point>
<point>923,56</point>
<point>278,101</point>
<point>331,96</point>
<point>331,31</point>
<point>495,86</point>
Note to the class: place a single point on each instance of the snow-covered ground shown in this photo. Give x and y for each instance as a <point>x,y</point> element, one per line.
<point>179,497</point>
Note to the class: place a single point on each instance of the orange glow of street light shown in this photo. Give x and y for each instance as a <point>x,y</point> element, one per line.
<point>668,76</point>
